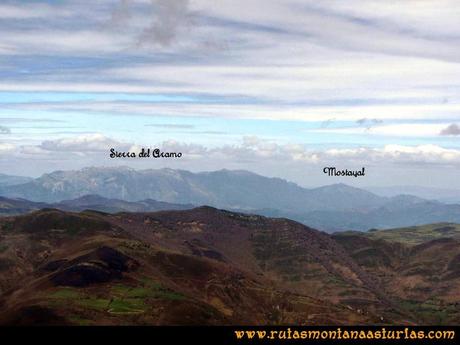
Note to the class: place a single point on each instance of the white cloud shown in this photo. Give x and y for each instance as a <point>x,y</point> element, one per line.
<point>256,149</point>
<point>78,42</point>
<point>421,154</point>
<point>32,150</point>
<point>393,130</point>
<point>253,149</point>
<point>84,143</point>
<point>32,11</point>
<point>6,148</point>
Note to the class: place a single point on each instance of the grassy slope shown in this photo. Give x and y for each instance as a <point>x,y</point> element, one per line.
<point>419,265</point>
<point>413,235</point>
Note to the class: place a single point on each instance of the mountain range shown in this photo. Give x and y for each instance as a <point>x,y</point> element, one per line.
<point>10,180</point>
<point>224,189</point>
<point>11,207</point>
<point>445,195</point>
<point>331,208</point>
<point>206,266</point>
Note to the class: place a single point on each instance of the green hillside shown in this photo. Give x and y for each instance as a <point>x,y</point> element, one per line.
<point>413,235</point>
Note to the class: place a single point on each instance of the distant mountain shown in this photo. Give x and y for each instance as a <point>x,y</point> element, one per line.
<point>412,235</point>
<point>445,195</point>
<point>398,212</point>
<point>225,189</point>
<point>9,180</point>
<point>88,202</point>
<point>331,208</point>
<point>98,203</point>
<point>19,206</point>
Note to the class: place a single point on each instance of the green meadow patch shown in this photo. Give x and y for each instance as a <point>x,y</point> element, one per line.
<point>127,306</point>
<point>119,299</point>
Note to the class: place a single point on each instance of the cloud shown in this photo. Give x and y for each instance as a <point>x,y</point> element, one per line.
<point>28,120</point>
<point>368,123</point>
<point>32,11</point>
<point>33,150</point>
<point>284,68</point>
<point>6,147</point>
<point>84,144</point>
<point>209,132</point>
<point>169,17</point>
<point>121,13</point>
<point>328,122</point>
<point>170,126</point>
<point>5,130</point>
<point>420,154</point>
<point>296,162</point>
<point>240,110</point>
<point>254,149</point>
<point>402,130</point>
<point>185,128</point>
<point>452,129</point>
<point>300,60</point>
<point>429,154</point>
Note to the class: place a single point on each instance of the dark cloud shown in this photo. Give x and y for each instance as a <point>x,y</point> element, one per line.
<point>452,129</point>
<point>169,17</point>
<point>327,123</point>
<point>368,123</point>
<point>121,13</point>
<point>5,130</point>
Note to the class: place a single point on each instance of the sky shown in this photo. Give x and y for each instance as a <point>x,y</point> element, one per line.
<point>280,88</point>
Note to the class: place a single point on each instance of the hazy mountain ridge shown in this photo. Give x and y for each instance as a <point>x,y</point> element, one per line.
<point>10,180</point>
<point>412,235</point>
<point>385,217</point>
<point>224,188</point>
<point>443,195</point>
<point>10,207</point>
<point>333,207</point>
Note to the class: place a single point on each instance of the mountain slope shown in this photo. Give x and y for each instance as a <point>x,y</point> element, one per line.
<point>18,206</point>
<point>200,266</point>
<point>208,266</point>
<point>224,189</point>
<point>10,207</point>
<point>394,213</point>
<point>9,180</point>
<point>414,235</point>
<point>330,208</point>
<point>419,266</point>
<point>440,194</point>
